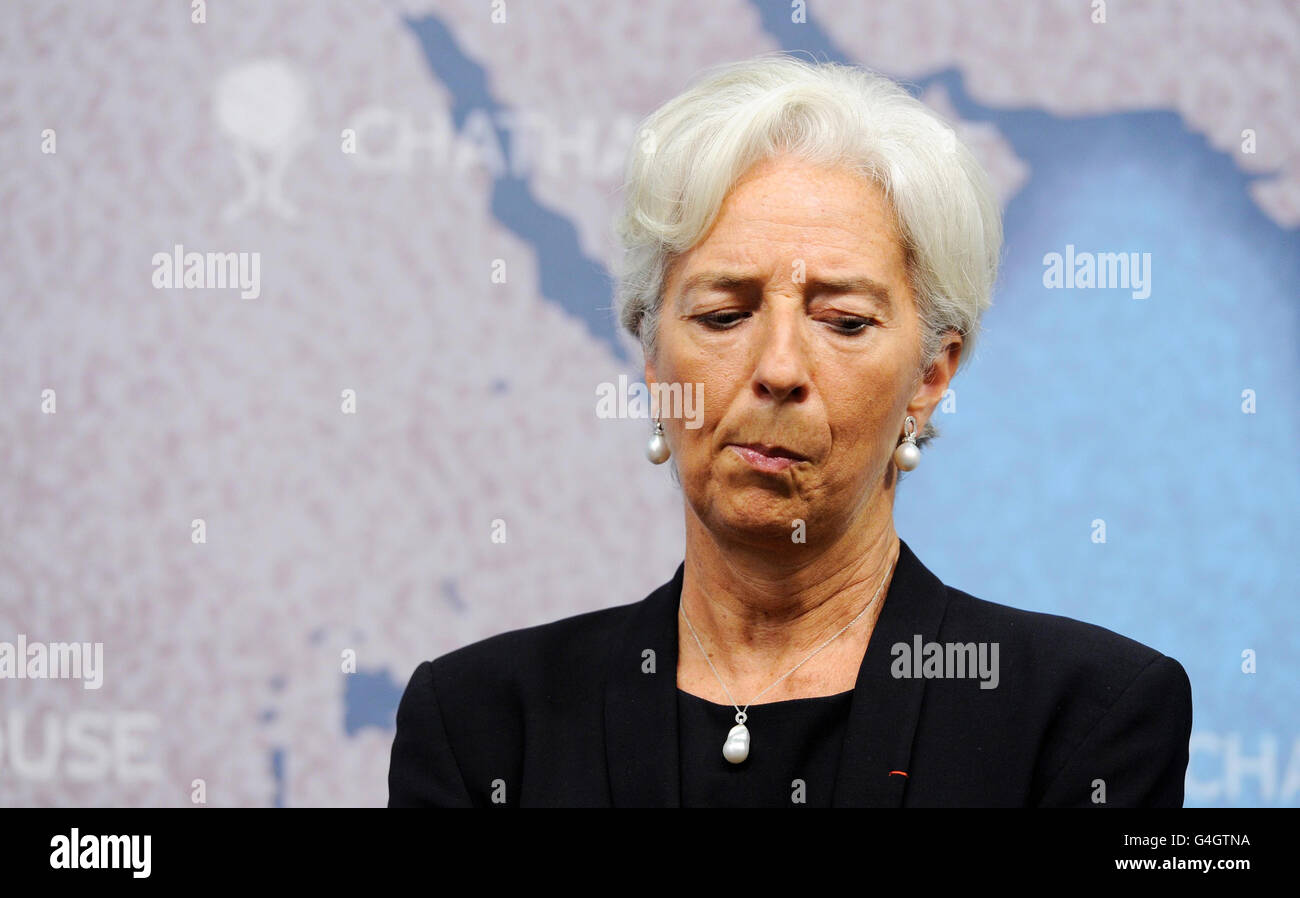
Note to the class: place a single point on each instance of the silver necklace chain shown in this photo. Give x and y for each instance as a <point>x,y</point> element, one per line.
<point>742,714</point>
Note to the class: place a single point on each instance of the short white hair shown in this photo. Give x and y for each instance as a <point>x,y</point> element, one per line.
<point>691,151</point>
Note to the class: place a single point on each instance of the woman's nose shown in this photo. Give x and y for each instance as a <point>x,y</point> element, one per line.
<point>781,370</point>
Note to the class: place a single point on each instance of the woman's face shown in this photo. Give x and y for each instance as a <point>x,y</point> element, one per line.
<point>796,316</point>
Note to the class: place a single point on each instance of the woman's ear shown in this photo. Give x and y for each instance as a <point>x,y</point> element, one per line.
<point>934,383</point>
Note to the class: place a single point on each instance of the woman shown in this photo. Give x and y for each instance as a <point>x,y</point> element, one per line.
<point>814,249</point>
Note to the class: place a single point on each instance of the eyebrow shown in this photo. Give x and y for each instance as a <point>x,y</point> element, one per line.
<point>813,286</point>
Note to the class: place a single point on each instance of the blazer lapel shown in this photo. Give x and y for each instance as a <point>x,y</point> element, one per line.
<point>641,707</point>
<point>874,765</point>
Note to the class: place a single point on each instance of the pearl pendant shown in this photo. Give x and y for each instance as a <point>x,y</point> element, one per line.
<point>907,456</point>
<point>736,748</point>
<point>657,450</point>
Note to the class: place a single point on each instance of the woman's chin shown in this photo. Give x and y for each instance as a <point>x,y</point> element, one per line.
<point>760,520</point>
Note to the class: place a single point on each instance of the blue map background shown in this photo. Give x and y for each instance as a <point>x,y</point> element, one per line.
<point>352,437</point>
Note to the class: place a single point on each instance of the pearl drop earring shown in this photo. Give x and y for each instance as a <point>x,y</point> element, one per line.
<point>657,450</point>
<point>907,455</point>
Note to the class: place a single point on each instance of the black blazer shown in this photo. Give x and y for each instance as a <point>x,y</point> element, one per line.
<point>563,714</point>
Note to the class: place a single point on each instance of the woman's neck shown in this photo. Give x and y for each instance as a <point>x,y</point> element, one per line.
<point>759,611</point>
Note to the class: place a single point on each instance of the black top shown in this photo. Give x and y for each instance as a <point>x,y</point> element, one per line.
<point>583,712</point>
<point>794,752</point>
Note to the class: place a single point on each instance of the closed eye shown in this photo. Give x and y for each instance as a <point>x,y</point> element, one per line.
<point>721,321</point>
<point>851,326</point>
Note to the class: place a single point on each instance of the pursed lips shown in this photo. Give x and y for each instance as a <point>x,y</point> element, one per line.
<point>772,451</point>
<point>766,459</point>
